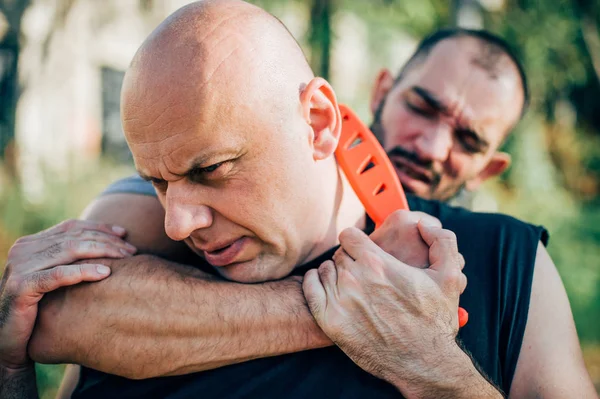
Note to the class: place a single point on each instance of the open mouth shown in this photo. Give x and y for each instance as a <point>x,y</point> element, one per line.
<point>413,172</point>
<point>224,255</point>
<point>219,250</point>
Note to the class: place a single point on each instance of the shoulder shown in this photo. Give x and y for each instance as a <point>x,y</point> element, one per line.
<point>478,227</point>
<point>130,185</point>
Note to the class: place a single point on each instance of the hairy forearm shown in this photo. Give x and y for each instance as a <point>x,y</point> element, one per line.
<point>18,384</point>
<point>153,318</point>
<point>453,375</point>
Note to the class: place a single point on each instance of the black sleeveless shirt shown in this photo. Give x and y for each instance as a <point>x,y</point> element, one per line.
<point>500,254</point>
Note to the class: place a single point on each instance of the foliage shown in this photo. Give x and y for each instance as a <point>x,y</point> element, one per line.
<point>555,177</point>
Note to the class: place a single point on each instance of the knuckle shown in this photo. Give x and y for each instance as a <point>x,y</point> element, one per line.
<point>431,219</point>
<point>16,249</point>
<point>78,232</point>
<point>461,261</point>
<point>453,278</point>
<point>347,234</point>
<point>448,235</point>
<point>68,224</point>
<point>20,241</point>
<point>346,278</point>
<point>88,246</point>
<point>373,260</point>
<point>70,246</point>
<point>15,285</point>
<point>12,252</point>
<point>57,273</point>
<point>53,250</point>
<point>398,217</point>
<point>338,256</point>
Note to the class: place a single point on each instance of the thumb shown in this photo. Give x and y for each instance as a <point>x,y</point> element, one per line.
<point>315,295</point>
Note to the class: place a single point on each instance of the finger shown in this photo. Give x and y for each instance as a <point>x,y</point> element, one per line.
<point>443,249</point>
<point>342,260</point>
<point>463,283</point>
<point>461,260</point>
<point>404,217</point>
<point>315,295</point>
<point>452,281</point>
<point>355,242</point>
<point>61,276</point>
<point>69,251</point>
<point>74,224</point>
<point>100,236</point>
<point>328,277</point>
<point>428,219</point>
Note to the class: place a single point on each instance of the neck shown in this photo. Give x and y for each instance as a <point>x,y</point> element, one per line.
<point>348,211</point>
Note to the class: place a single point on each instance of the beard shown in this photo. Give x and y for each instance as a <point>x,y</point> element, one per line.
<point>436,191</point>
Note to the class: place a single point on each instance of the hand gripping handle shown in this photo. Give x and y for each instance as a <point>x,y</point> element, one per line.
<point>371,174</point>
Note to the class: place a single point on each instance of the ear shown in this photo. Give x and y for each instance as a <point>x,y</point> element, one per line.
<point>499,162</point>
<point>383,84</point>
<point>321,112</point>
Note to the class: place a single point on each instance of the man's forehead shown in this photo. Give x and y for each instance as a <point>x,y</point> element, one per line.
<point>177,154</point>
<point>450,74</point>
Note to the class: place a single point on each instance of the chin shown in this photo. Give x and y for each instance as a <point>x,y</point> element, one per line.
<point>252,272</point>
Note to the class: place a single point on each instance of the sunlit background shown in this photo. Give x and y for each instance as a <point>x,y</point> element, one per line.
<point>62,63</point>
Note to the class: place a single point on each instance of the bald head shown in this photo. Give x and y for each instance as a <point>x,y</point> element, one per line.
<point>223,114</point>
<point>216,46</point>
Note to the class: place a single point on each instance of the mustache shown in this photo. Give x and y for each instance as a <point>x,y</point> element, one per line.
<point>410,156</point>
<point>413,158</point>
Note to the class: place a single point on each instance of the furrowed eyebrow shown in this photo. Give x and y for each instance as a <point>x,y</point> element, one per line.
<point>195,168</point>
<point>480,140</point>
<point>150,178</point>
<point>430,99</point>
<point>435,103</point>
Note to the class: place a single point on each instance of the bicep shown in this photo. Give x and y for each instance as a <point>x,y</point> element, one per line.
<point>144,219</point>
<point>550,363</point>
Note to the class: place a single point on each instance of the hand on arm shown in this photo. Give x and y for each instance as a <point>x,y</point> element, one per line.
<point>203,322</point>
<point>171,319</point>
<point>397,322</point>
<point>37,265</point>
<point>167,317</point>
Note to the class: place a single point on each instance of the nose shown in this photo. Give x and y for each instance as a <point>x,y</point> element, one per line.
<point>184,213</point>
<point>435,143</point>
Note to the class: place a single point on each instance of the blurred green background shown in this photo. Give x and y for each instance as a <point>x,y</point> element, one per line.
<point>62,61</point>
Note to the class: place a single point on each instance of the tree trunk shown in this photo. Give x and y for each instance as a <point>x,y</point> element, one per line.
<point>13,11</point>
<point>320,36</point>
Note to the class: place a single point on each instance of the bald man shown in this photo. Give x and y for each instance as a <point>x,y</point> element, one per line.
<point>225,118</point>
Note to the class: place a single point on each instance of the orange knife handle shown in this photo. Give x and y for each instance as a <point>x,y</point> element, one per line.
<point>371,174</point>
<point>368,169</point>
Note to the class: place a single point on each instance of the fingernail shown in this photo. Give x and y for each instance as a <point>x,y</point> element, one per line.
<point>102,270</point>
<point>118,229</point>
<point>130,247</point>
<point>125,252</point>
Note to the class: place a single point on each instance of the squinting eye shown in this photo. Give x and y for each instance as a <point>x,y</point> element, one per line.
<point>426,112</point>
<point>212,168</point>
<point>161,186</point>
